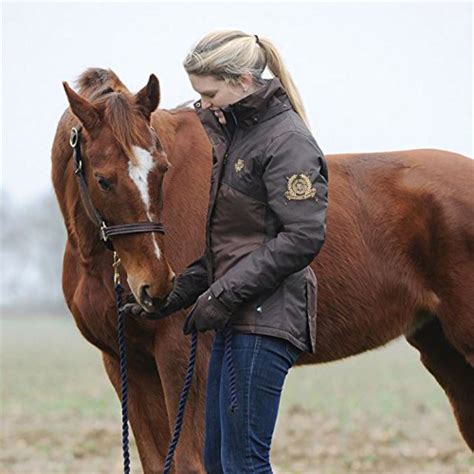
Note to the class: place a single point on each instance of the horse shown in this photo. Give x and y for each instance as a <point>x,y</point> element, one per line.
<point>398,259</point>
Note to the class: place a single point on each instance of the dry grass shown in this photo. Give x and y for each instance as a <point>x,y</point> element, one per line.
<point>378,413</point>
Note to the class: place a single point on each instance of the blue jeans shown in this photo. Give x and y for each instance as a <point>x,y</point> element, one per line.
<point>239,441</point>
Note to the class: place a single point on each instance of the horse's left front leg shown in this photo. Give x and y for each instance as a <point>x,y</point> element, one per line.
<point>146,410</point>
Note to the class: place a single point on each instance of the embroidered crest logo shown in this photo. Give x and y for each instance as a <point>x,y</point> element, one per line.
<point>299,188</point>
<point>239,165</point>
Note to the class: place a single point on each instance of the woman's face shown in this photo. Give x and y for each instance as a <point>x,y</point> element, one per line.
<point>216,93</point>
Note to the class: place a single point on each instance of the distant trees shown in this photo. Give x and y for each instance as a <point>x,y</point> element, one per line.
<point>31,249</point>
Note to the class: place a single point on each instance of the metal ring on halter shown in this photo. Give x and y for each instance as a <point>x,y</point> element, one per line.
<point>74,137</point>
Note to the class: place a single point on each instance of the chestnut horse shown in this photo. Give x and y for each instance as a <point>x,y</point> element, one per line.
<point>398,257</point>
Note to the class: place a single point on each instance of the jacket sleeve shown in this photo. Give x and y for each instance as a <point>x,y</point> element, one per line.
<point>193,281</point>
<point>296,181</point>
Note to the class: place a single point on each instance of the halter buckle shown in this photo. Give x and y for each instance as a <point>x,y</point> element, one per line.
<point>103,232</point>
<point>78,167</point>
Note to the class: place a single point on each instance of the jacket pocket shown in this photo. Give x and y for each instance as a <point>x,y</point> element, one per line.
<point>245,175</point>
<point>311,305</point>
<point>268,304</point>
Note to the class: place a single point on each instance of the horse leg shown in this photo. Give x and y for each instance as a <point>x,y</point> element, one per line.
<point>452,371</point>
<point>172,362</point>
<point>146,410</point>
<point>456,313</point>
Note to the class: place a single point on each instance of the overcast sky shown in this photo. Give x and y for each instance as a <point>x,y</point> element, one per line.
<point>373,76</point>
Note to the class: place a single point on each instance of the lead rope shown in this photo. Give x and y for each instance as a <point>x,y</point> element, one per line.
<point>123,373</point>
<point>118,289</point>
<point>182,403</point>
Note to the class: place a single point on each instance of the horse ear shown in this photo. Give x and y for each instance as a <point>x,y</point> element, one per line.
<point>149,97</point>
<point>82,109</point>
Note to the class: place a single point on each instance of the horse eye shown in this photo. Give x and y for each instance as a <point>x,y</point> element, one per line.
<point>103,183</point>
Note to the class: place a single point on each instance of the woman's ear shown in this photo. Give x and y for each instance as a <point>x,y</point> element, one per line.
<point>246,81</point>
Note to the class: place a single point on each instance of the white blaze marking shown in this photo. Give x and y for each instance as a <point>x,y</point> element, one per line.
<point>139,175</point>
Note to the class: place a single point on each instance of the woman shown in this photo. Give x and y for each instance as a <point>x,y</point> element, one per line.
<point>266,223</point>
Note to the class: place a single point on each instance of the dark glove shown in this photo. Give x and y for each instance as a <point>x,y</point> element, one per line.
<point>173,303</point>
<point>186,288</point>
<point>207,313</point>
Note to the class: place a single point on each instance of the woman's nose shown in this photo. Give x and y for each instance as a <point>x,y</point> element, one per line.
<point>205,104</point>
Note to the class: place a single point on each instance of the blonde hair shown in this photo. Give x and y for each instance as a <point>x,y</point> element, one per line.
<point>227,54</point>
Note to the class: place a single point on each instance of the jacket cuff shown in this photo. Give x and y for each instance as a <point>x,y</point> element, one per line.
<point>218,292</point>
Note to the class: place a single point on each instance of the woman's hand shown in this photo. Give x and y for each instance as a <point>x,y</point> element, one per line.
<point>207,313</point>
<point>172,304</point>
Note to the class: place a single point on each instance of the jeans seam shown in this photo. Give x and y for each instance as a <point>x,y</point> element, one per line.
<point>249,391</point>
<point>216,351</point>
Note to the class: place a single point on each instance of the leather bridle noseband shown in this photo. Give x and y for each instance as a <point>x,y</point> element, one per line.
<point>105,231</point>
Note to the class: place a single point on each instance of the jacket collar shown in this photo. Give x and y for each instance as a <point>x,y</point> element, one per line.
<point>267,101</point>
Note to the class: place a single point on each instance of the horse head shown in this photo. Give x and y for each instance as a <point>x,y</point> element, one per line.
<point>124,165</point>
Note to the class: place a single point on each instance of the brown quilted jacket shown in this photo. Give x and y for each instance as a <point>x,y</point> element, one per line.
<point>266,219</point>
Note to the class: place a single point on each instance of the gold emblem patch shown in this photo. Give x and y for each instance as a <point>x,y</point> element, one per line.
<point>300,187</point>
<point>239,165</point>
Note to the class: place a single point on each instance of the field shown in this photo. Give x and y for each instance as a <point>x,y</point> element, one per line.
<point>380,412</point>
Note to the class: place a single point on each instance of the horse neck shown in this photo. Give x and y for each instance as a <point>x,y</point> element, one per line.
<point>185,201</point>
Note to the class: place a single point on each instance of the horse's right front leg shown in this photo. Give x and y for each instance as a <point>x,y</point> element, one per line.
<point>146,411</point>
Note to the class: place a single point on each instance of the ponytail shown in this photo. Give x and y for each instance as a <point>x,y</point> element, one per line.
<point>228,54</point>
<point>276,66</point>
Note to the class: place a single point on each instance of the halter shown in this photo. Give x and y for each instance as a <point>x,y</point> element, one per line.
<point>105,231</point>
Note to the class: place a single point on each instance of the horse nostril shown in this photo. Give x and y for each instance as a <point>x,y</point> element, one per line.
<point>145,298</point>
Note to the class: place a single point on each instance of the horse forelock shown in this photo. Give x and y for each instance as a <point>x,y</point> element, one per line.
<point>126,123</point>
<point>93,81</point>
<point>104,89</point>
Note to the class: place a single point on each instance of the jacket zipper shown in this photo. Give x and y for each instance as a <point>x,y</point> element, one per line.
<point>230,139</point>
<point>226,154</point>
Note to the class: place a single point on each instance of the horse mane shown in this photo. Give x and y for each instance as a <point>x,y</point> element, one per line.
<point>103,88</point>
<point>184,106</point>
